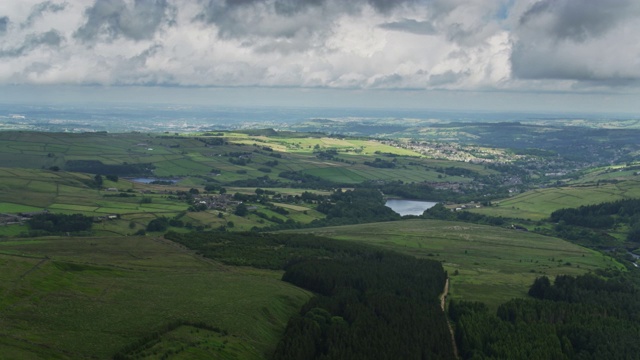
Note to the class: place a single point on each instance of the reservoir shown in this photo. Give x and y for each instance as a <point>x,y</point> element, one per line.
<point>409,207</point>
<point>151,180</point>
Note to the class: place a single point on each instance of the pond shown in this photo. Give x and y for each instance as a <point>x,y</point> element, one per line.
<point>409,207</point>
<point>150,180</point>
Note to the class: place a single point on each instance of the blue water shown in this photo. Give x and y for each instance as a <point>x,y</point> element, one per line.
<point>150,180</point>
<point>409,207</point>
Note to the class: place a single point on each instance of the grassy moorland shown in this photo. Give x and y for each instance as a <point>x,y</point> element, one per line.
<point>73,298</point>
<point>487,264</point>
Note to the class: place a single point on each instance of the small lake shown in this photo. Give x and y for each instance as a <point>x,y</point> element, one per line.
<point>409,207</point>
<point>150,180</point>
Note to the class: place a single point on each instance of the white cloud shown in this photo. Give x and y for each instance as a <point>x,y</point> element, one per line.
<point>361,44</point>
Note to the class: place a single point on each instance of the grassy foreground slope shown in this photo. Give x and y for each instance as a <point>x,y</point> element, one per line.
<point>487,264</point>
<point>74,298</point>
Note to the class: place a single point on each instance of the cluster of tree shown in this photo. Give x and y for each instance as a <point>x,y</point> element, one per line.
<point>374,305</point>
<point>260,181</point>
<point>158,224</point>
<point>259,132</point>
<point>353,207</point>
<point>625,211</point>
<point>584,317</point>
<point>580,235</point>
<point>589,225</point>
<point>210,187</point>
<point>97,167</point>
<point>120,194</point>
<point>163,223</point>
<point>309,197</point>
<point>575,217</point>
<point>440,212</point>
<point>215,141</point>
<point>381,163</point>
<point>409,191</point>
<point>425,191</point>
<point>48,223</point>
<point>329,154</point>
<point>98,181</point>
<point>306,180</point>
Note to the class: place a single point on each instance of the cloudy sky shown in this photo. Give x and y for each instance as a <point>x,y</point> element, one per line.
<point>571,55</point>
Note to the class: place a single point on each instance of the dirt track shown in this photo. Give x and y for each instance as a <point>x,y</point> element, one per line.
<point>443,302</point>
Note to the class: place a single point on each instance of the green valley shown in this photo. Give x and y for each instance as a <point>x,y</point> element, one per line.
<point>208,245</point>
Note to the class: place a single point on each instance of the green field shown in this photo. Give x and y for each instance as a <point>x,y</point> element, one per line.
<point>35,176</point>
<point>539,204</point>
<point>186,156</point>
<point>69,298</point>
<point>75,298</point>
<point>487,264</point>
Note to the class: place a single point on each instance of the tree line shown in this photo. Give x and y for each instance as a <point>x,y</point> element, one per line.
<point>593,316</point>
<point>50,224</point>
<point>603,216</point>
<point>369,304</point>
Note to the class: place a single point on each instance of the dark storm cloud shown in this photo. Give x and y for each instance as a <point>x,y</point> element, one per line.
<point>560,40</point>
<point>411,26</point>
<point>387,5</point>
<point>50,38</point>
<point>448,77</point>
<point>38,10</point>
<point>290,7</point>
<point>114,18</point>
<point>4,23</point>
<point>528,63</point>
<point>235,18</point>
<point>387,81</point>
<point>578,19</point>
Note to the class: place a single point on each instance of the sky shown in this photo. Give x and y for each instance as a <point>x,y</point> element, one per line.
<point>494,55</point>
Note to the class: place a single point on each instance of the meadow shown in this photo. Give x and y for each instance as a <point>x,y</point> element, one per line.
<point>74,298</point>
<point>190,156</point>
<point>487,264</point>
<point>538,204</point>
